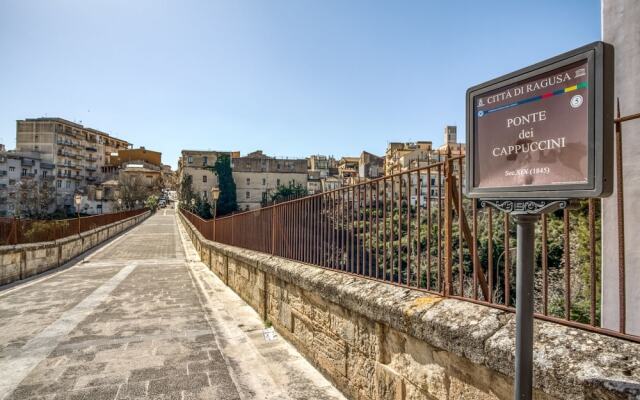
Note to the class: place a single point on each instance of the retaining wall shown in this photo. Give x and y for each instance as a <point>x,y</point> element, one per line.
<point>24,260</point>
<point>378,341</point>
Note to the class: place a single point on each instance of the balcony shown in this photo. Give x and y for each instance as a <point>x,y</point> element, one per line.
<point>65,143</point>
<point>90,168</point>
<point>91,148</point>
<point>92,178</point>
<point>28,162</point>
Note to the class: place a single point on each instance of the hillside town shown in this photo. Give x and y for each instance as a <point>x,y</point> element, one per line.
<point>56,159</point>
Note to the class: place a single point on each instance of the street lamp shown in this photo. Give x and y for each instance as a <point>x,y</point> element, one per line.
<point>119,204</point>
<point>193,204</point>
<point>215,194</point>
<point>78,199</point>
<point>99,197</point>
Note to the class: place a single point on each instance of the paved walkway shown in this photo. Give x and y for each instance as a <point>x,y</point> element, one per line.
<point>142,318</point>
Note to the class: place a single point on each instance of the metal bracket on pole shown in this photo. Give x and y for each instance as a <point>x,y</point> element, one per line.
<point>525,213</point>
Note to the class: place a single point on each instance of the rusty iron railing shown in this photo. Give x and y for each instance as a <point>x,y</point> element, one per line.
<point>19,231</point>
<point>416,229</point>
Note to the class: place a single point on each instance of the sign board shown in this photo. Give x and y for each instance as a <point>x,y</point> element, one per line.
<point>545,131</point>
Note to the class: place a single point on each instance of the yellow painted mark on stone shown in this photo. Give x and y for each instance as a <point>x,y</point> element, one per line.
<point>421,302</point>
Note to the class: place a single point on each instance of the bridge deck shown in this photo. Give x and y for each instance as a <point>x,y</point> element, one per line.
<point>141,318</point>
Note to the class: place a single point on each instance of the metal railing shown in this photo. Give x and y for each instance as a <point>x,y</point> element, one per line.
<point>416,229</point>
<point>20,231</point>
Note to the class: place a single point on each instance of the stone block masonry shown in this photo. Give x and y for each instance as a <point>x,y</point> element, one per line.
<point>379,341</point>
<point>25,260</point>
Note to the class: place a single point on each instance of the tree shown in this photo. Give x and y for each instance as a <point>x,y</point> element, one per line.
<point>132,189</point>
<point>34,199</point>
<point>203,208</point>
<point>227,201</point>
<point>291,191</point>
<point>186,193</point>
<point>151,202</point>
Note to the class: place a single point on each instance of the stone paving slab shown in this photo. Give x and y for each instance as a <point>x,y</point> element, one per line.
<point>136,320</point>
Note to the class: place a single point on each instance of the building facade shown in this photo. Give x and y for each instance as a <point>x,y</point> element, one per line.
<point>370,166</point>
<point>77,153</point>
<point>24,178</point>
<point>348,170</point>
<point>257,176</point>
<point>199,165</point>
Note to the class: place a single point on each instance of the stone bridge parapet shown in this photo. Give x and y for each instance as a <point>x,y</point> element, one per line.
<point>379,341</point>
<point>22,261</point>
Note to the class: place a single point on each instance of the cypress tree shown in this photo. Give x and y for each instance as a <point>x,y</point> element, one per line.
<point>227,201</point>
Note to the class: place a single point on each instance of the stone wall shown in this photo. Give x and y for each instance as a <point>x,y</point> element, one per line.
<point>379,341</point>
<point>24,260</point>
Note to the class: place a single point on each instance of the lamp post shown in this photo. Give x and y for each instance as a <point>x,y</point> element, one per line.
<point>193,205</point>
<point>119,204</point>
<point>215,194</point>
<point>78,199</point>
<point>99,197</point>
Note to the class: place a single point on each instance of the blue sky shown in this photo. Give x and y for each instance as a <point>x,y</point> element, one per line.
<point>292,78</point>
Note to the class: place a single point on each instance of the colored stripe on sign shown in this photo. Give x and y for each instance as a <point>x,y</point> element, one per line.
<point>581,85</point>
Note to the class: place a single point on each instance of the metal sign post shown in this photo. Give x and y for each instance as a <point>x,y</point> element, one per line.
<point>525,213</point>
<point>524,305</point>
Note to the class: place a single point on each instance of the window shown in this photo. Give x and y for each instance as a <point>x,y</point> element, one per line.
<point>190,159</point>
<point>247,195</point>
<point>58,183</point>
<point>248,181</point>
<point>204,194</point>
<point>68,184</point>
<point>204,178</point>
<point>264,181</point>
<point>44,174</point>
<point>204,160</point>
<point>24,172</point>
<point>12,169</point>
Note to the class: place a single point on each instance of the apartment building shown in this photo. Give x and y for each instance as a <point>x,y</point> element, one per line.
<point>257,176</point>
<point>314,182</point>
<point>370,166</point>
<point>20,171</point>
<point>199,165</point>
<point>326,165</point>
<point>77,153</point>
<point>402,156</point>
<point>348,170</point>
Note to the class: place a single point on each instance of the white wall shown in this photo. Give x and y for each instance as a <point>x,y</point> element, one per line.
<point>621,27</point>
